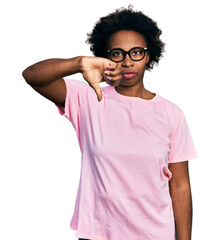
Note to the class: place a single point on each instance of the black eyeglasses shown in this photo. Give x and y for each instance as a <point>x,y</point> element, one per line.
<point>118,54</point>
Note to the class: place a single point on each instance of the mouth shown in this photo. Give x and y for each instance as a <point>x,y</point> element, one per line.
<point>129,75</point>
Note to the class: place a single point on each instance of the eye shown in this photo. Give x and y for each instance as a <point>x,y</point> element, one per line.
<point>116,54</point>
<point>136,52</point>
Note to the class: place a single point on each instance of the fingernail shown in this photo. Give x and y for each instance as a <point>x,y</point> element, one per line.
<point>108,78</point>
<point>107,73</point>
<point>109,68</point>
<point>108,82</point>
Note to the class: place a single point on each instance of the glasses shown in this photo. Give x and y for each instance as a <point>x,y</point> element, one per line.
<point>118,54</point>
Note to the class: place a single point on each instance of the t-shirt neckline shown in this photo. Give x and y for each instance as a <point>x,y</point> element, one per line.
<point>129,98</point>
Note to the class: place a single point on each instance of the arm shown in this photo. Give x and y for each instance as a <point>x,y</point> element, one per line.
<point>46,77</point>
<point>180,192</point>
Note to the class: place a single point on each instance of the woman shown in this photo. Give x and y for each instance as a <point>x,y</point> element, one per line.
<point>135,144</point>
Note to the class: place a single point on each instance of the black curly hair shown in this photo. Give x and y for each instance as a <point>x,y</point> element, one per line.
<point>126,19</point>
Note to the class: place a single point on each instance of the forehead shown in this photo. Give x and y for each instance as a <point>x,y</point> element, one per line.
<point>126,39</point>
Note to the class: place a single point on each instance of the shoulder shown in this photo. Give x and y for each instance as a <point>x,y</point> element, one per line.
<point>81,87</point>
<point>72,82</point>
<point>173,111</point>
<point>170,106</point>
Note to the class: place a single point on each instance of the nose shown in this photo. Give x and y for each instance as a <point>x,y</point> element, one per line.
<point>127,62</point>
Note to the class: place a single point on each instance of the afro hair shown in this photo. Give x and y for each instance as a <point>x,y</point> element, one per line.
<point>126,19</point>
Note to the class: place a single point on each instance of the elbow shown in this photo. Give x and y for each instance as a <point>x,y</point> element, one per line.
<point>180,188</point>
<point>27,75</point>
<point>24,74</point>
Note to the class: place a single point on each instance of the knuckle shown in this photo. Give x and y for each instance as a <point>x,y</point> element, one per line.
<point>110,73</point>
<point>118,77</point>
<point>113,73</point>
<point>117,73</point>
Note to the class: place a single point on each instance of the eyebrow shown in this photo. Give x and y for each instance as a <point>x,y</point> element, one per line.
<point>125,50</point>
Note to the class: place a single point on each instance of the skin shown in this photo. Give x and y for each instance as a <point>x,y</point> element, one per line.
<point>134,87</point>
<point>179,185</point>
<point>44,77</point>
<point>180,192</point>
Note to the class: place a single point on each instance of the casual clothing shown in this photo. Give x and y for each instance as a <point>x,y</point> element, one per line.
<point>126,144</point>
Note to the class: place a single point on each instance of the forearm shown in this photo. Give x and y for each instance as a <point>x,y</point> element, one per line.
<point>49,70</point>
<point>182,207</point>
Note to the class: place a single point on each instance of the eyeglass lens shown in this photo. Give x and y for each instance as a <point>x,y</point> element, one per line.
<point>135,54</point>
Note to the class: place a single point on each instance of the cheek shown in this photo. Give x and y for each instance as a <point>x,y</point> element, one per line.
<point>142,67</point>
<point>143,62</point>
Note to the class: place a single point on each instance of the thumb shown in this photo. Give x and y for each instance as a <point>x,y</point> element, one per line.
<point>97,90</point>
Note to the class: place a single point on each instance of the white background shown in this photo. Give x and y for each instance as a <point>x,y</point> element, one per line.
<point>40,155</point>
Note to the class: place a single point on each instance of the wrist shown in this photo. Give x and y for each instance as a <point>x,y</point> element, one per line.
<point>79,63</point>
<point>75,65</point>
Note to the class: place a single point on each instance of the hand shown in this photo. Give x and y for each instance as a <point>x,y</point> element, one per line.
<point>97,69</point>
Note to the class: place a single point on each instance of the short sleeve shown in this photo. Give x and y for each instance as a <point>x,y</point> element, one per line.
<point>76,96</point>
<point>181,143</point>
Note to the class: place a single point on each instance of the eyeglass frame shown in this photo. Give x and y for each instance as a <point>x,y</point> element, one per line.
<point>126,52</point>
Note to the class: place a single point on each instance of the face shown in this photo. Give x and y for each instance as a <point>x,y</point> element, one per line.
<point>126,40</point>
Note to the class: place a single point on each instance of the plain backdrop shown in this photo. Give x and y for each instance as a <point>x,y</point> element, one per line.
<point>40,156</point>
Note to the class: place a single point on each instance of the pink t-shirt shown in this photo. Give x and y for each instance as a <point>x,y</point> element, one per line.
<point>126,145</point>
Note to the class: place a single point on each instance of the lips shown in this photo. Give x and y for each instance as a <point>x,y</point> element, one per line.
<point>128,74</point>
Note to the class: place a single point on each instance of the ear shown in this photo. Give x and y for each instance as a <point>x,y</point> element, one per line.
<point>147,57</point>
<point>147,60</point>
